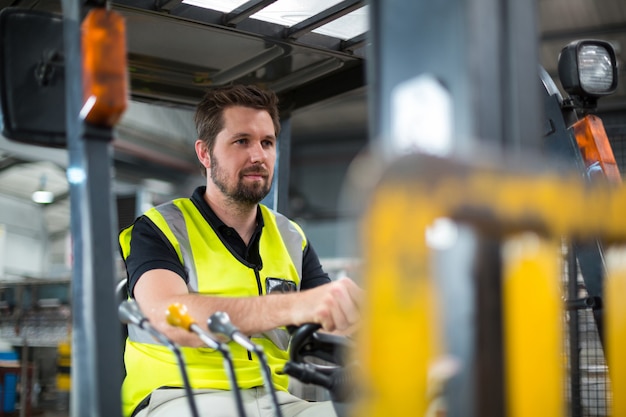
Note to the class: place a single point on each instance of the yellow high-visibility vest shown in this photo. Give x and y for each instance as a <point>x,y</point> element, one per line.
<point>212,270</point>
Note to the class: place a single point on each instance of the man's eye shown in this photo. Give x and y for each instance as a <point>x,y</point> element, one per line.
<point>268,143</point>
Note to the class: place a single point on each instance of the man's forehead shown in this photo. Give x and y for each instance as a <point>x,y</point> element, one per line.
<point>240,118</point>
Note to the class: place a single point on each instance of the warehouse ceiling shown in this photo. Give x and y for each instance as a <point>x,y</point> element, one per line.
<point>177,49</point>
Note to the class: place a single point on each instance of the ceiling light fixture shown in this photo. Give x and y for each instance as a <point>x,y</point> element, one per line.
<point>43,196</point>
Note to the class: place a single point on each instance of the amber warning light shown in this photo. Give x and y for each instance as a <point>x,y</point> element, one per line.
<point>105,80</point>
<point>596,148</point>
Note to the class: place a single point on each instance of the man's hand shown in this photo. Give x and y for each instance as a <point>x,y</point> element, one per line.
<point>335,306</point>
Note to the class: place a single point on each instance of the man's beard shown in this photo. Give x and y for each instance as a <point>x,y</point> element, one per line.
<point>244,194</point>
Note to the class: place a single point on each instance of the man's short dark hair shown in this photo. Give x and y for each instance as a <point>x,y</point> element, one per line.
<point>209,112</point>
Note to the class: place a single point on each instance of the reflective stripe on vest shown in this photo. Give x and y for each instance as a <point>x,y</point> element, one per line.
<point>176,221</point>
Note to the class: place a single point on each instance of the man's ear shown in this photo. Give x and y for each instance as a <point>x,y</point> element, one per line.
<point>203,153</point>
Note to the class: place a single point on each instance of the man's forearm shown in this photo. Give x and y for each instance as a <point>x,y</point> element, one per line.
<point>334,306</point>
<point>250,315</point>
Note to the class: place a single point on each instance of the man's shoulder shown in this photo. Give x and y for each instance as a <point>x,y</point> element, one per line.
<point>265,210</point>
<point>284,223</point>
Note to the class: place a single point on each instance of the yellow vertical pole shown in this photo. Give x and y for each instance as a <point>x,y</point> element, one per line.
<point>614,290</point>
<point>533,327</point>
<point>398,339</point>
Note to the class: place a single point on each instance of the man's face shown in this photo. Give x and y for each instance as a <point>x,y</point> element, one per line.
<point>244,154</point>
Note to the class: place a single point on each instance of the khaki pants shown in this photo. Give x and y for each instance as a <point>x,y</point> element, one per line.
<point>215,403</point>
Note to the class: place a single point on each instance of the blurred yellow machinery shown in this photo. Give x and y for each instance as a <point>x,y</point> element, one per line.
<point>402,340</point>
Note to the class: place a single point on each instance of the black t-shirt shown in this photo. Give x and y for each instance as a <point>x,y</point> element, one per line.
<point>150,249</point>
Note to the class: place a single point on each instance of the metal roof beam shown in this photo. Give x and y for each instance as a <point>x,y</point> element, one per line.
<point>323,88</point>
<point>167,5</point>
<point>214,19</point>
<point>244,11</point>
<point>355,43</point>
<point>323,17</point>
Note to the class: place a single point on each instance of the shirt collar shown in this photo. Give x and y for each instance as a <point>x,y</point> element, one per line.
<point>214,221</point>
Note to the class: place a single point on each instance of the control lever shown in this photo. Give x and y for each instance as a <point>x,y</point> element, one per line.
<point>219,323</point>
<point>130,313</point>
<point>178,316</point>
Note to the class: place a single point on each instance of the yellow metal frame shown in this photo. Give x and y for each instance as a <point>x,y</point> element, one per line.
<point>533,335</point>
<point>614,290</point>
<point>401,340</point>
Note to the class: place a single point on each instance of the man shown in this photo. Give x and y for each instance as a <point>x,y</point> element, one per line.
<point>220,250</point>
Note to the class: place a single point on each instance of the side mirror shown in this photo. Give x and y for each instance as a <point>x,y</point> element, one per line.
<point>32,77</point>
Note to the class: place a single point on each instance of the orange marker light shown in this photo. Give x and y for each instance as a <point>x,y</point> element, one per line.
<point>105,80</point>
<point>595,147</point>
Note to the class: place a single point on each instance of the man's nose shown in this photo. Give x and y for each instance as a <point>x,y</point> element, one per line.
<point>257,153</point>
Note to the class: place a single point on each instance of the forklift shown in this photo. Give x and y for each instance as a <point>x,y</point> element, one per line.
<point>501,147</point>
